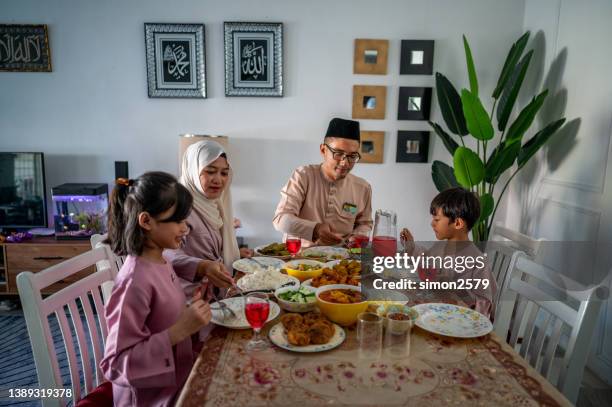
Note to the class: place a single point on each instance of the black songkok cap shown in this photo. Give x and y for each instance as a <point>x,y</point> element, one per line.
<point>342,128</point>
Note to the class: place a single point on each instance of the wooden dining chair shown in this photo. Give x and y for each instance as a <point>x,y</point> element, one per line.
<point>85,334</point>
<point>96,241</point>
<point>520,241</point>
<point>503,248</point>
<point>556,324</point>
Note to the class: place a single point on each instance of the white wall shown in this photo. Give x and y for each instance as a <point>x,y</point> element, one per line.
<point>566,192</point>
<point>93,108</point>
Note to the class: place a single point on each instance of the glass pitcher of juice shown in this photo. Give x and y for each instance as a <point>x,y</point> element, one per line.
<point>384,236</point>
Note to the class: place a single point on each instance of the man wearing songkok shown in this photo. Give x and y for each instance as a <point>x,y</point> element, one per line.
<point>324,204</point>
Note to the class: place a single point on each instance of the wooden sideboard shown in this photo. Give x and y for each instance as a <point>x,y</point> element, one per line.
<point>36,255</point>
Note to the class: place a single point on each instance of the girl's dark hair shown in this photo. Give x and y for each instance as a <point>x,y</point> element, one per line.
<point>457,203</point>
<point>152,192</point>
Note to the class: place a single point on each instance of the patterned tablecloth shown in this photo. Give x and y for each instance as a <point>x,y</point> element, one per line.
<point>439,371</point>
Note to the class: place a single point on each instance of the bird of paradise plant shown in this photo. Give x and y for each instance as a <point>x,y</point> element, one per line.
<point>465,114</point>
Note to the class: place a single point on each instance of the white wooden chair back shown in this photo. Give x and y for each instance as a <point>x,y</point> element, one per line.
<point>501,259</point>
<point>96,241</point>
<point>37,311</point>
<point>520,241</point>
<point>555,324</point>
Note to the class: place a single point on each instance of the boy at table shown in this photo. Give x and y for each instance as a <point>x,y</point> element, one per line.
<point>454,212</point>
<point>323,203</point>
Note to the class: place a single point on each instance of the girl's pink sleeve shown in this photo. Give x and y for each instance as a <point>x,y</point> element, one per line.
<point>134,356</point>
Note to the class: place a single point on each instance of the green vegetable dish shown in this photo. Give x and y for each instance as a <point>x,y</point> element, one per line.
<point>301,296</point>
<point>275,249</point>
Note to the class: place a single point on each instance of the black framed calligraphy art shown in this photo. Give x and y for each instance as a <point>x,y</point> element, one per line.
<point>24,48</point>
<point>253,59</point>
<point>176,60</point>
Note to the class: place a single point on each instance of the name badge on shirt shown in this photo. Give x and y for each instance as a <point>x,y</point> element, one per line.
<point>349,208</point>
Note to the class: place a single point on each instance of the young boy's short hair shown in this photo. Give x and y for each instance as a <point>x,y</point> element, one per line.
<point>457,203</point>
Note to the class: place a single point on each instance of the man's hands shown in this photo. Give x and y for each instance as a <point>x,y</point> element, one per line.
<point>324,235</point>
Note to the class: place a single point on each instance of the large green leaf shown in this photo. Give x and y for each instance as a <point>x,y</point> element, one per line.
<point>511,60</point>
<point>450,144</point>
<point>511,91</point>
<point>525,118</point>
<point>486,206</point>
<point>537,141</point>
<point>469,169</point>
<point>470,67</point>
<point>476,117</point>
<point>502,160</point>
<point>450,105</point>
<point>443,176</point>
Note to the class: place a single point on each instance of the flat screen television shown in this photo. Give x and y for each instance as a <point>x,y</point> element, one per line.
<point>23,201</point>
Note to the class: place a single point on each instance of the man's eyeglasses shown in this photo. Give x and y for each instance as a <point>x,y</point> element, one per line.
<point>340,155</point>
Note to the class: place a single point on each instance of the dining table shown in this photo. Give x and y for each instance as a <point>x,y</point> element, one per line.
<point>439,370</point>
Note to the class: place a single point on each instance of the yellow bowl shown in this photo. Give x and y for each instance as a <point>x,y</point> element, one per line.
<point>342,314</point>
<point>291,268</point>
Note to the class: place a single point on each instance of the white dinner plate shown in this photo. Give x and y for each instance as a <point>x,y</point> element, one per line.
<point>288,279</point>
<point>260,254</point>
<point>329,252</point>
<point>279,338</point>
<point>249,265</point>
<point>240,321</point>
<point>452,320</point>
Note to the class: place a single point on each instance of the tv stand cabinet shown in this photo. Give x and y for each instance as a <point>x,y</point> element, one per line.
<point>36,255</point>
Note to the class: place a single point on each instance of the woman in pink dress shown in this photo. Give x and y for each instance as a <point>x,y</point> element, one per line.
<point>149,350</point>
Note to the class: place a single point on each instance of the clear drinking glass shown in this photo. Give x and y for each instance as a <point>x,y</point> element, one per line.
<point>369,335</point>
<point>256,310</point>
<point>384,236</point>
<point>397,334</point>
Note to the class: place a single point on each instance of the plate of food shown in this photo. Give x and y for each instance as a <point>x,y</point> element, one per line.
<point>237,320</point>
<point>278,250</point>
<point>253,264</point>
<point>343,272</point>
<point>266,280</point>
<point>325,253</point>
<point>307,333</point>
<point>452,320</point>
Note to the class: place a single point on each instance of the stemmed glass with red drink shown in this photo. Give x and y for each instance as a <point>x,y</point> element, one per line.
<point>256,310</point>
<point>293,245</point>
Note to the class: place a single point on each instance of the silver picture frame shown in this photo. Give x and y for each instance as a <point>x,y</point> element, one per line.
<point>253,59</point>
<point>176,60</point>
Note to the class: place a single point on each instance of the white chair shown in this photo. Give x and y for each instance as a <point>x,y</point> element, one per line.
<point>37,311</point>
<point>519,241</point>
<point>96,241</point>
<point>503,248</point>
<point>556,324</point>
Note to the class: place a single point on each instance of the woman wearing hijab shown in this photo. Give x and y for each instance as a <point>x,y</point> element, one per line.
<point>211,247</point>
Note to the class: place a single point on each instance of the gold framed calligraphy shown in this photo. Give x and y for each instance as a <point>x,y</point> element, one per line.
<point>253,59</point>
<point>24,48</point>
<point>176,60</point>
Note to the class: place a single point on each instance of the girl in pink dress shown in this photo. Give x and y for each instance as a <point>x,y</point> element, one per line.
<point>149,350</point>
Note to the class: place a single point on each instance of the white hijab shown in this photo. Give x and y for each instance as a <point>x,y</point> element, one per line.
<point>216,212</point>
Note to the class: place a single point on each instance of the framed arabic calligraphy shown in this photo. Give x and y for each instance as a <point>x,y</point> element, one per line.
<point>24,48</point>
<point>253,59</point>
<point>176,60</point>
